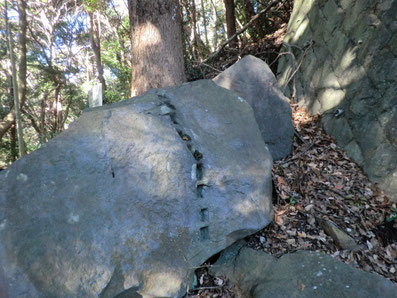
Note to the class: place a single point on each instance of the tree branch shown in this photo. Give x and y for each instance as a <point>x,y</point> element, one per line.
<point>296,66</point>
<point>6,123</point>
<point>253,19</point>
<point>32,121</point>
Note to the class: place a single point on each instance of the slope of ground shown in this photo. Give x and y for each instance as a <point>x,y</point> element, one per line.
<point>320,183</point>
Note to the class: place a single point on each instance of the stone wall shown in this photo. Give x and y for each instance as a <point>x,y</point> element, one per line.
<point>346,55</point>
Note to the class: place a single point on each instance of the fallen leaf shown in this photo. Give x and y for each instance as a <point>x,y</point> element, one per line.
<point>291,241</point>
<point>201,281</point>
<point>218,281</point>
<point>280,180</point>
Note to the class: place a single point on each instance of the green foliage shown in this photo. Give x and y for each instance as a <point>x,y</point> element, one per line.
<point>94,5</point>
<point>292,201</point>
<point>5,149</point>
<point>119,76</point>
<point>192,72</point>
<point>392,216</point>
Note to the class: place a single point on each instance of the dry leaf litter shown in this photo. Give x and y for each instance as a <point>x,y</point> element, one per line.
<point>318,183</point>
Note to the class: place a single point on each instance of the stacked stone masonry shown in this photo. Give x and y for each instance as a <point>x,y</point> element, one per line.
<point>345,64</point>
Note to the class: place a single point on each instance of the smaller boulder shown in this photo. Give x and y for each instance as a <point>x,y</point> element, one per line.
<point>302,274</point>
<point>252,79</point>
<point>342,239</point>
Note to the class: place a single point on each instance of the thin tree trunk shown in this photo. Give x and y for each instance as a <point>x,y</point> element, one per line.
<point>122,58</point>
<point>13,141</point>
<point>42,119</point>
<point>249,13</point>
<point>246,26</point>
<point>239,25</point>
<point>21,144</point>
<point>32,121</point>
<point>187,32</point>
<point>66,114</point>
<point>9,119</point>
<point>230,21</point>
<point>195,35</point>
<point>204,22</point>
<point>156,44</point>
<point>55,128</point>
<point>216,25</point>
<point>54,75</point>
<point>96,48</point>
<point>22,45</point>
<point>245,36</point>
<point>60,112</point>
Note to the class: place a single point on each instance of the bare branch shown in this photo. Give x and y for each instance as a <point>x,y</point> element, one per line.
<point>254,18</point>
<point>296,66</point>
<point>207,65</point>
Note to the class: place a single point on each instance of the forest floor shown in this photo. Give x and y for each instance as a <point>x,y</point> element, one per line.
<point>319,183</point>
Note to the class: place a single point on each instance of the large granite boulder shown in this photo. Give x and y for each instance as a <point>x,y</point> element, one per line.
<point>303,274</point>
<point>134,196</point>
<point>253,80</point>
<point>349,74</point>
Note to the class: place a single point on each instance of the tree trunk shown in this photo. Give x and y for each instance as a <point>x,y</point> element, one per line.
<point>96,48</point>
<point>13,141</point>
<point>204,22</point>
<point>56,110</point>
<point>195,34</point>
<point>22,45</point>
<point>230,21</point>
<point>43,103</point>
<point>216,25</point>
<point>156,44</point>
<point>187,31</point>
<point>21,144</point>
<point>9,120</point>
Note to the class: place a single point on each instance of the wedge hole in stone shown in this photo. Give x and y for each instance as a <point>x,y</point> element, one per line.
<point>204,233</point>
<point>199,171</point>
<point>200,191</point>
<point>185,137</point>
<point>113,175</point>
<point>180,133</point>
<point>170,105</point>
<point>197,155</point>
<point>172,117</point>
<point>204,214</point>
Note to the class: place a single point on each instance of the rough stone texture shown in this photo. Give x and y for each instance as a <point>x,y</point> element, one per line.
<point>352,66</point>
<point>258,274</point>
<point>134,195</point>
<point>340,237</point>
<point>253,80</point>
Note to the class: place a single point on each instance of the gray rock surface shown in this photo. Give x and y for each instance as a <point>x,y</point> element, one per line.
<point>134,195</point>
<point>253,80</point>
<point>352,66</point>
<point>302,274</point>
<point>340,237</point>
